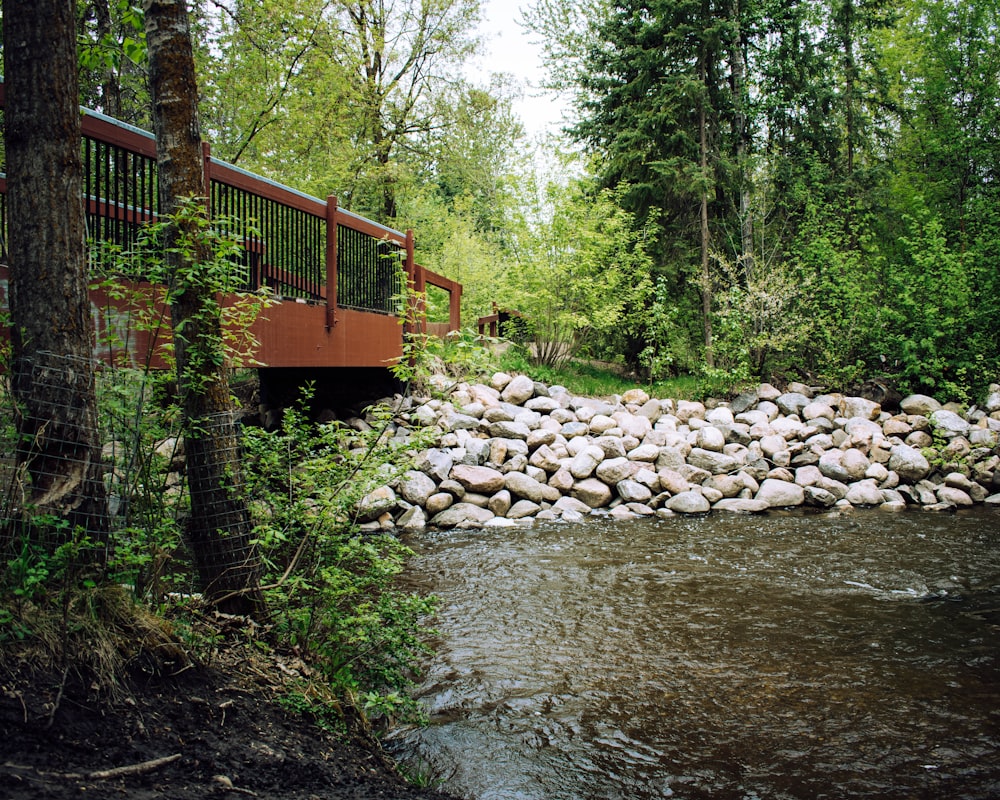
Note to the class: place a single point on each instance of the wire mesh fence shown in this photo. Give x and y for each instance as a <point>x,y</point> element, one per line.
<point>124,492</point>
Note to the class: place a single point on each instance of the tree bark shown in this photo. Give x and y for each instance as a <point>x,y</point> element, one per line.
<point>706,276</point>
<point>219,526</point>
<point>52,331</point>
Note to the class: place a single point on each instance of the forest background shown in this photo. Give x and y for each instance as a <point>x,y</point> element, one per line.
<point>745,189</point>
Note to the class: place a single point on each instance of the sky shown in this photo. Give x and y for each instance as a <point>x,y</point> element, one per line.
<point>508,48</point>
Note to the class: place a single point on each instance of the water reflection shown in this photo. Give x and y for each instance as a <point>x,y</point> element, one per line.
<point>721,657</point>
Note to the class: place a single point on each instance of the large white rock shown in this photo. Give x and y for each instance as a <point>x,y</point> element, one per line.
<point>519,390</point>
<point>517,483</point>
<point>919,404</point>
<point>415,487</point>
<point>689,502</point>
<point>780,494</point>
<point>909,463</point>
<point>462,514</point>
<point>633,492</point>
<point>864,493</point>
<point>859,407</point>
<point>855,464</point>
<point>374,504</point>
<point>615,470</point>
<point>593,492</point>
<point>712,462</point>
<point>948,423</point>
<point>711,438</point>
<point>585,462</point>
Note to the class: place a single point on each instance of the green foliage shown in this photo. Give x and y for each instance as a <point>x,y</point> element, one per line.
<point>332,589</point>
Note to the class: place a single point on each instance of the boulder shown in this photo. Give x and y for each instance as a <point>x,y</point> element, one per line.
<point>519,484</point>
<point>571,504</point>
<point>791,402</point>
<point>482,480</point>
<point>948,423</point>
<point>519,390</point>
<point>633,492</point>
<point>780,494</point>
<point>712,462</point>
<point>500,503</point>
<point>908,463</point>
<point>509,429</point>
<point>739,505</point>
<point>374,504</point>
<point>522,509</point>
<point>462,514</point>
<point>864,493</point>
<point>593,492</point>
<point>615,470</point>
<point>438,502</point>
<point>415,487</point>
<point>689,502</point>
<point>919,404</point>
<point>711,438</point>
<point>586,461</point>
<point>413,519</point>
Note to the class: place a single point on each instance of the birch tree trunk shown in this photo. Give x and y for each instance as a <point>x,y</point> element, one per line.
<point>219,526</point>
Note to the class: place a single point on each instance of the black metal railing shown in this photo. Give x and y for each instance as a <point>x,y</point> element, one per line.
<point>369,272</point>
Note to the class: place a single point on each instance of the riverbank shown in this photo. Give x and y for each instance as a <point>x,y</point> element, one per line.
<point>215,730</point>
<point>514,451</point>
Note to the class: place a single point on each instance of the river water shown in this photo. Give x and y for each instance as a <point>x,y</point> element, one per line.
<point>750,657</point>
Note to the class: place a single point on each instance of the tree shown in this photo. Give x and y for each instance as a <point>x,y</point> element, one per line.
<point>51,326</point>
<point>219,526</point>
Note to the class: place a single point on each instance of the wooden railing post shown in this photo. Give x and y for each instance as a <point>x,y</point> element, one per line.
<point>331,261</point>
<point>206,155</point>
<point>417,285</point>
<point>455,307</point>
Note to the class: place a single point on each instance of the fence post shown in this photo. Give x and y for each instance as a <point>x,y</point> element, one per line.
<point>455,307</point>
<point>417,285</point>
<point>331,261</point>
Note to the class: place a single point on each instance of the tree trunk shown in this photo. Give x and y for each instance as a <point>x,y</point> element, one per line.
<point>706,276</point>
<point>52,331</point>
<point>219,526</point>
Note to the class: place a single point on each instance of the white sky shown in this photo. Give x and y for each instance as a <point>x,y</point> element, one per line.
<point>508,48</point>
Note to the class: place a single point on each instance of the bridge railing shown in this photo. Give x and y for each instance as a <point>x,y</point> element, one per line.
<point>296,245</point>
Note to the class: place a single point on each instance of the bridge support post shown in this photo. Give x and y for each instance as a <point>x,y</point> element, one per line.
<point>331,262</point>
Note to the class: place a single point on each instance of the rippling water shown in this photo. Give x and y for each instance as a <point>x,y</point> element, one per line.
<point>799,656</point>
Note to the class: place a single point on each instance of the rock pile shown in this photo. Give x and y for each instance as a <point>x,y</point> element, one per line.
<point>517,450</point>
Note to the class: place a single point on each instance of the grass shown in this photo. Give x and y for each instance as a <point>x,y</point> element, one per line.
<point>595,380</point>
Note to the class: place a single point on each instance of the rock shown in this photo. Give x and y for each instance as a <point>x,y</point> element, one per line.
<point>791,402</point>
<point>711,438</point>
<point>993,500</point>
<point>415,487</point>
<point>859,407</point>
<point>481,480</point>
<point>622,513</point>
<point>611,445</point>
<point>462,514</point>
<point>651,410</point>
<point>720,416</point>
<point>438,502</point>
<point>815,496</point>
<point>726,485</point>
<point>948,423</point>
<point>855,464</point>
<point>740,505</point>
<point>508,429</point>
<point>517,483</point>
<point>780,494</point>
<point>919,404</point>
<point>817,410</point>
<point>686,409</point>
<point>992,402</point>
<point>435,463</point>
<point>864,493</point>
<point>562,481</point>
<point>519,390</point>
<point>636,397</point>
<point>743,402</point>
<point>831,465</point>
<point>615,470</point>
<point>453,421</point>
<point>374,504</point>
<point>909,463</point>
<point>593,492</point>
<point>632,424</point>
<point>672,481</point>
<point>644,452</point>
<point>413,519</point>
<point>523,508</point>
<point>766,391</point>
<point>586,461</point>
<point>954,497</point>
<point>571,504</point>
<point>544,405</point>
<point>713,463</point>
<point>689,502</point>
<point>633,492</point>
<point>500,503</point>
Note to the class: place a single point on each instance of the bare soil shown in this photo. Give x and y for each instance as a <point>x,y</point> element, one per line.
<point>208,732</point>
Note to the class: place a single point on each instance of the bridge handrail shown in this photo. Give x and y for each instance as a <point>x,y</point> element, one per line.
<point>295,255</point>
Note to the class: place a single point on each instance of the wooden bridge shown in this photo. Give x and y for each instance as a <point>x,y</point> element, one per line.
<point>334,276</point>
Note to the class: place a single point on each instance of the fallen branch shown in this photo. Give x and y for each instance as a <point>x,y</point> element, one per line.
<point>101,774</point>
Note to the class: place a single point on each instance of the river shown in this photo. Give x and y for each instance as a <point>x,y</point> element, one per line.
<point>750,657</point>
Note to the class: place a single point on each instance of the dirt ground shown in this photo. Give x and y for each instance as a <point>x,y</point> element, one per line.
<point>206,733</point>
